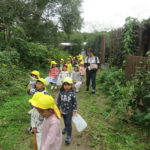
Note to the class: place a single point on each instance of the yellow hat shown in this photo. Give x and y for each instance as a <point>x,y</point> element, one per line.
<point>53,63</point>
<point>81,63</point>
<point>68,80</point>
<point>43,81</point>
<point>62,59</point>
<point>68,59</point>
<point>42,101</point>
<point>34,72</point>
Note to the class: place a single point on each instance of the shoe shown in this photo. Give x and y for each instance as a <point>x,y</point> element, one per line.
<point>55,87</point>
<point>87,89</point>
<point>93,92</point>
<point>52,87</point>
<point>68,140</point>
<point>64,131</point>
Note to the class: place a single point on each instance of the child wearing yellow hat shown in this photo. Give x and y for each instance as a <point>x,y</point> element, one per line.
<point>51,137</point>
<point>63,74</point>
<point>34,75</point>
<point>69,66</point>
<point>82,69</point>
<point>67,104</point>
<point>77,79</point>
<point>40,86</point>
<point>36,118</point>
<point>53,75</point>
<point>61,64</point>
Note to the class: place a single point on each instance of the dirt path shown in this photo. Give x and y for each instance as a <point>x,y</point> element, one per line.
<point>79,141</point>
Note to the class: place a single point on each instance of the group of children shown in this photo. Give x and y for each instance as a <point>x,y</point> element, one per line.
<point>72,68</point>
<point>45,112</point>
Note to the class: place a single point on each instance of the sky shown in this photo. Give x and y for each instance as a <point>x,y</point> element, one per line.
<point>102,15</point>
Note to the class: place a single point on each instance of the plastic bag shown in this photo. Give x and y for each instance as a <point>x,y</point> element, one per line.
<point>79,122</point>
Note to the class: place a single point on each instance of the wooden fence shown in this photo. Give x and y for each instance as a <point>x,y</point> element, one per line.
<point>132,62</point>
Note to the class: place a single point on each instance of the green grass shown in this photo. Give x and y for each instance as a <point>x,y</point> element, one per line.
<point>105,131</point>
<point>13,122</point>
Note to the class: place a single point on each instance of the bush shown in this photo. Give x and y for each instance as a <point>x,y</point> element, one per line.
<point>128,94</point>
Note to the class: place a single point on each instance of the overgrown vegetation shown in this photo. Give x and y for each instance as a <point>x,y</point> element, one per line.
<point>130,99</point>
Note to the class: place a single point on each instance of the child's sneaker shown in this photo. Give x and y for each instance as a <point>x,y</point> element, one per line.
<point>52,87</point>
<point>64,131</point>
<point>55,87</point>
<point>68,140</point>
<point>93,93</point>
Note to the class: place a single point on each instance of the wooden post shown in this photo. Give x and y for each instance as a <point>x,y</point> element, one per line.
<point>102,49</point>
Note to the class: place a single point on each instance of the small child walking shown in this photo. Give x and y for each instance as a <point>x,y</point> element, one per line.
<point>36,118</point>
<point>51,130</point>
<point>61,64</point>
<point>82,70</point>
<point>76,77</point>
<point>67,104</point>
<point>53,74</point>
<point>69,66</point>
<point>63,74</point>
<point>34,75</point>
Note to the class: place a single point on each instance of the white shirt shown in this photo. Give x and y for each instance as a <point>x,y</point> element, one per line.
<point>92,60</point>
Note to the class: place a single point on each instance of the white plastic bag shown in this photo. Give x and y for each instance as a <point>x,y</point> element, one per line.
<point>79,122</point>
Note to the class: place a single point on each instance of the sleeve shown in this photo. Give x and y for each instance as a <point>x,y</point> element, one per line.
<point>85,61</point>
<point>57,72</point>
<point>50,142</point>
<point>98,61</point>
<point>74,103</point>
<point>31,91</point>
<point>58,100</point>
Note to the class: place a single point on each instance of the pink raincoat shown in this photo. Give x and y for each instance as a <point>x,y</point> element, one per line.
<point>51,134</point>
<point>54,72</point>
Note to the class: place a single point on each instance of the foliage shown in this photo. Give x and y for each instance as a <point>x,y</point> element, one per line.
<point>41,19</point>
<point>141,103</point>
<point>104,130</point>
<point>14,119</point>
<point>128,94</point>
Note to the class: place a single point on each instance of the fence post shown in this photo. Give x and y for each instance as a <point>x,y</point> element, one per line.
<point>102,49</point>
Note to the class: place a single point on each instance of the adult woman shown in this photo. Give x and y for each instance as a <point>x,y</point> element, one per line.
<point>91,63</point>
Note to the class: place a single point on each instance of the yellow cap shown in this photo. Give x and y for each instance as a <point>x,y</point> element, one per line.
<point>62,59</point>
<point>53,63</point>
<point>34,72</point>
<point>68,80</point>
<point>43,81</point>
<point>42,101</point>
<point>81,63</point>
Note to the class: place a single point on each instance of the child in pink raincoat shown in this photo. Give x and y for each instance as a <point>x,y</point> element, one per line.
<point>51,130</point>
<point>53,74</point>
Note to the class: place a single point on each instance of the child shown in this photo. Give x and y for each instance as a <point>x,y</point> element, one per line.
<point>36,118</point>
<point>68,106</point>
<point>40,86</point>
<point>51,130</point>
<point>63,74</point>
<point>76,77</point>
<point>61,64</point>
<point>53,74</point>
<point>82,69</point>
<point>34,75</point>
<point>69,66</point>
